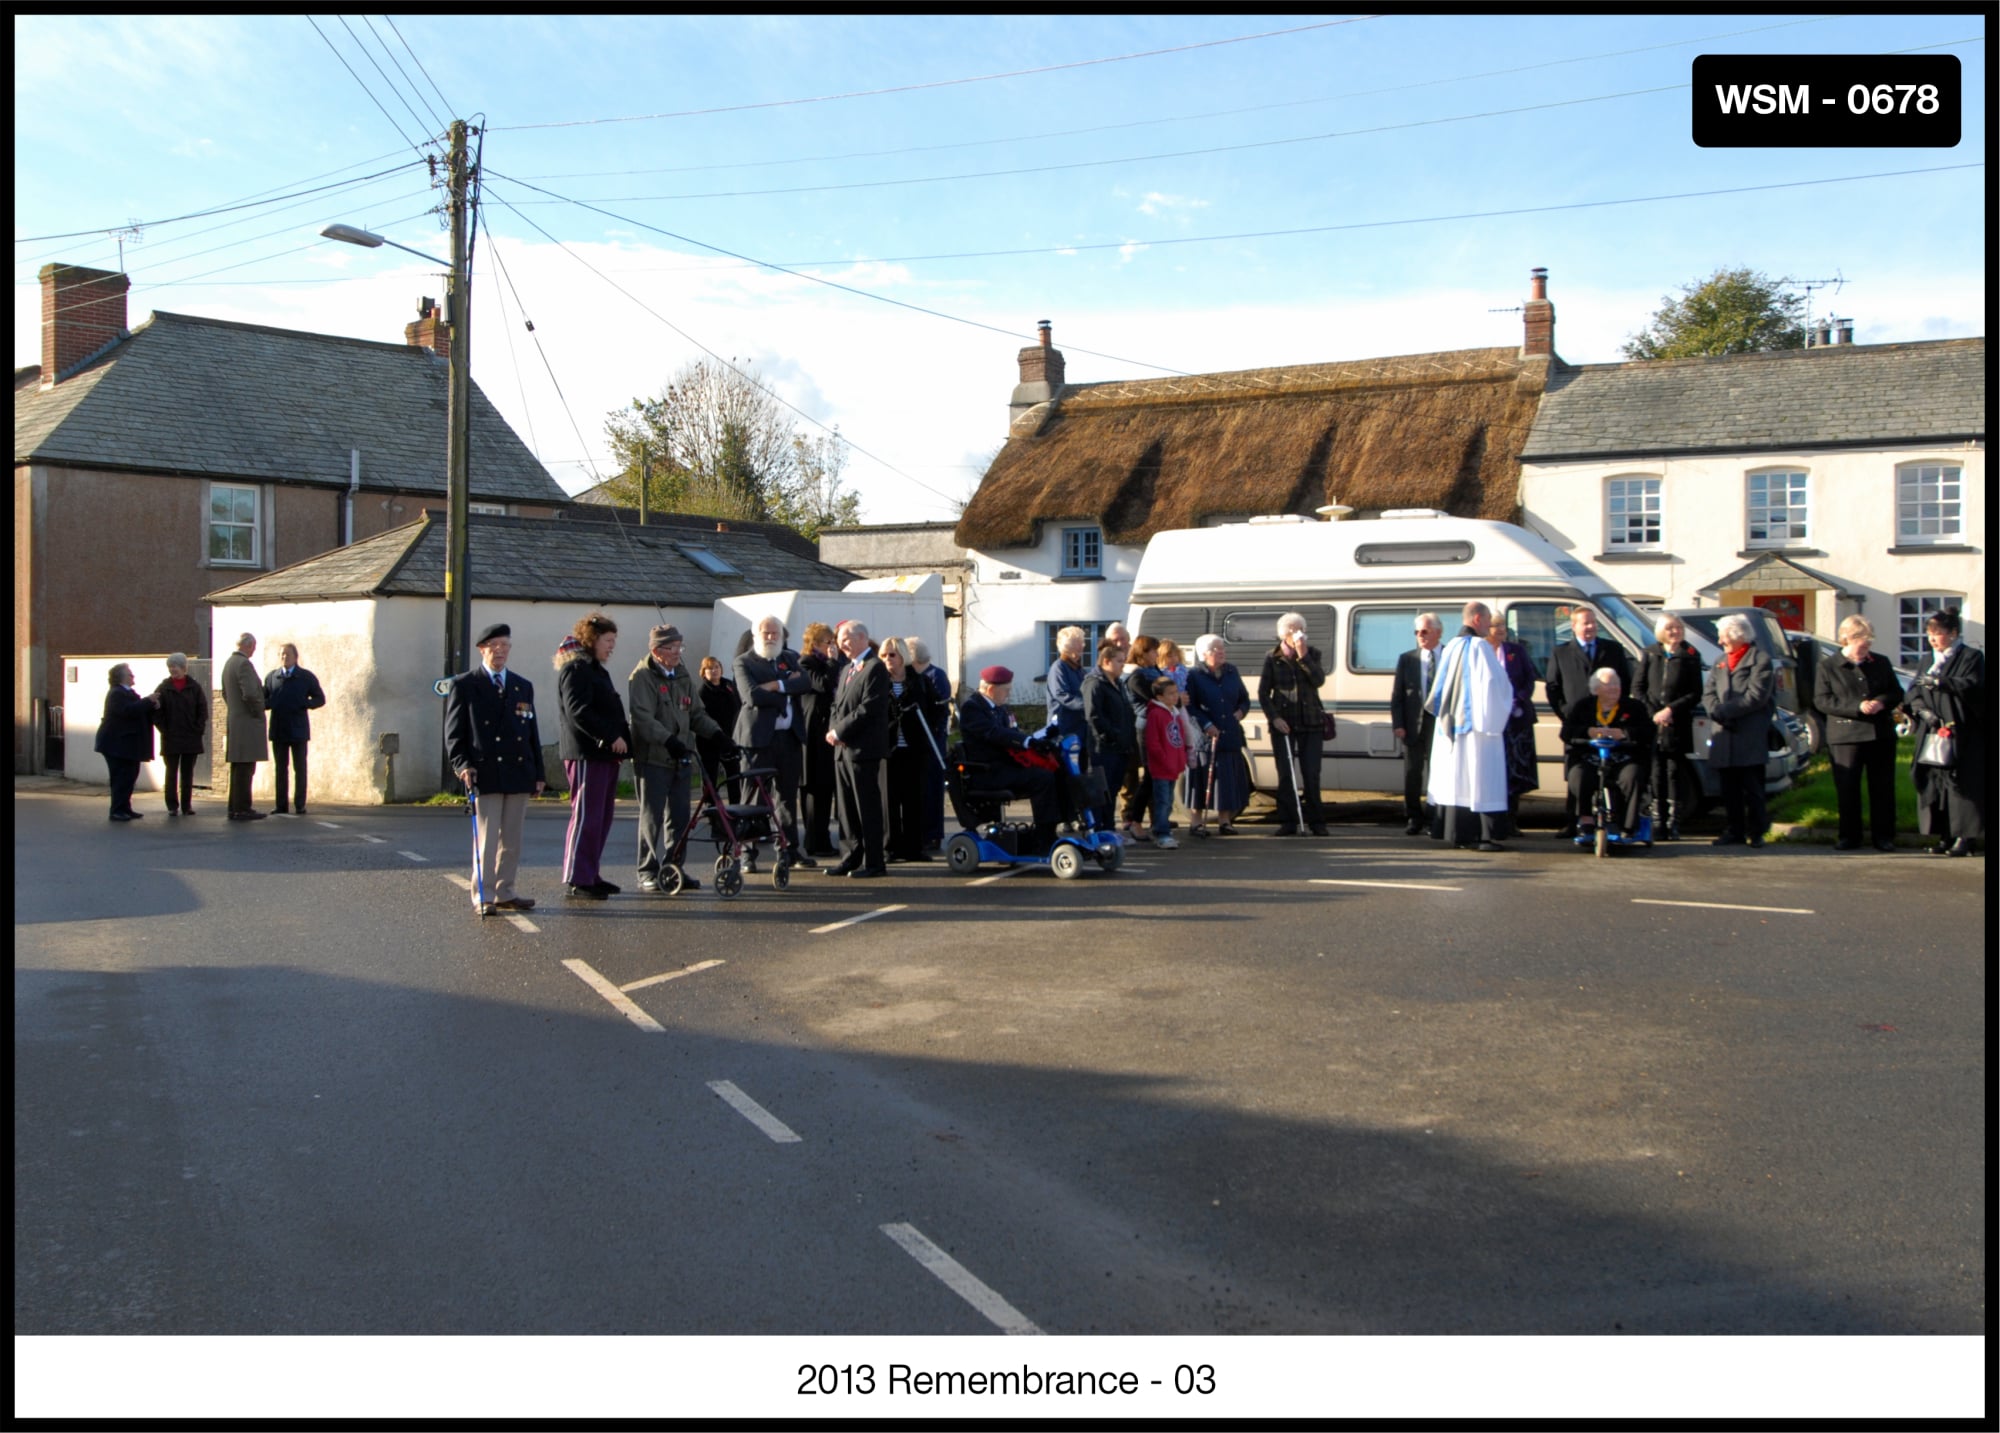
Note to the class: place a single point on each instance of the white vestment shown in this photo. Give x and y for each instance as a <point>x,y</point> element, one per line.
<point>1472,700</point>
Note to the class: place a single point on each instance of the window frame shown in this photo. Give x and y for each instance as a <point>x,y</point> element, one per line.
<point>1613,540</point>
<point>255,525</point>
<point>1095,537</point>
<point>1804,506</point>
<point>1941,538</point>
<point>1910,651</point>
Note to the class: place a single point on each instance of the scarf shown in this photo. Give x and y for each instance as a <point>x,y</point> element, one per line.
<point>1736,656</point>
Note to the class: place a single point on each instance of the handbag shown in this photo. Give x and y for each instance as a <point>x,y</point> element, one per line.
<point>1326,726</point>
<point>1939,748</point>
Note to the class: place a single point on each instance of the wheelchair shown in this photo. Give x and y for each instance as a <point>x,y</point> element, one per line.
<point>989,838</point>
<point>737,828</point>
<point>1608,835</point>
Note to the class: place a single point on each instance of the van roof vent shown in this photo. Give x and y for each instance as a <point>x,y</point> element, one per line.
<point>1278,517</point>
<point>1415,512</point>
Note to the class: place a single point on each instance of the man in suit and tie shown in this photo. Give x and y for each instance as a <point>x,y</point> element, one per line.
<point>861,729</point>
<point>771,726</point>
<point>494,746</point>
<point>1568,681</point>
<point>290,691</point>
<point>1416,669</point>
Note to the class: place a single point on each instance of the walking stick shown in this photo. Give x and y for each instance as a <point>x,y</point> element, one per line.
<point>478,884</point>
<point>1298,782</point>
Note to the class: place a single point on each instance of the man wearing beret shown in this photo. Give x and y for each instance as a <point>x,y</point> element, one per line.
<point>991,737</point>
<point>667,718</point>
<point>493,745</point>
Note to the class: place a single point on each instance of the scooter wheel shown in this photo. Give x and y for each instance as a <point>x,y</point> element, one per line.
<point>961,853</point>
<point>1066,861</point>
<point>1111,857</point>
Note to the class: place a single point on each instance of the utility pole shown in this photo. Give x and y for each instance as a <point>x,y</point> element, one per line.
<point>458,414</point>
<point>645,482</point>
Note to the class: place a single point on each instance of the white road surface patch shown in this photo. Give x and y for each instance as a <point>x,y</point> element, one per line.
<point>670,975</point>
<point>617,997</point>
<point>421,860</point>
<point>777,1129</point>
<point>1718,906</point>
<point>856,920</point>
<point>1001,876</point>
<point>956,1277</point>
<point>1388,885</point>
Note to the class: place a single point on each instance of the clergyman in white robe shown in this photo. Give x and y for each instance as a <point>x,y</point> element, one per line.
<point>1471,700</point>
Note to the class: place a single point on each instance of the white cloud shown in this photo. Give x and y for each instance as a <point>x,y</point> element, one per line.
<point>1130,247</point>
<point>1155,204</point>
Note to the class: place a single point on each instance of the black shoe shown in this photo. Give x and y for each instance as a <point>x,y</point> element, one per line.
<point>583,893</point>
<point>1885,846</point>
<point>1846,845</point>
<point>298,810</point>
<point>1756,843</point>
<point>867,873</point>
<point>1489,846</point>
<point>1725,839</point>
<point>1321,831</point>
<point>1961,847</point>
<point>606,888</point>
<point>806,861</point>
<point>689,883</point>
<point>1413,828</point>
<point>121,816</point>
<point>1286,831</point>
<point>845,868</point>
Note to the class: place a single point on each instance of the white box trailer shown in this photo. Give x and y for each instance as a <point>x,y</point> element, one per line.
<point>1360,584</point>
<point>886,606</point>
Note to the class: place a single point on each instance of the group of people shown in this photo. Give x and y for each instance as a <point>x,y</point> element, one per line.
<point>266,720</point>
<point>845,729</point>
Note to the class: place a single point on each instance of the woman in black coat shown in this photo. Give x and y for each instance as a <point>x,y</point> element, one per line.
<point>1289,695</point>
<point>916,716</point>
<point>1739,696</point>
<point>1858,694</point>
<point>720,757</point>
<point>1951,695</point>
<point>1669,683</point>
<point>180,711</point>
<point>124,739</point>
<point>820,662</point>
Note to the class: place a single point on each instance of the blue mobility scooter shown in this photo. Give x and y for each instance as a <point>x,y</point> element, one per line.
<point>989,838</point>
<point>1607,754</point>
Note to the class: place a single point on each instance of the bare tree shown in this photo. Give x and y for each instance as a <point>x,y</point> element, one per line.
<point>717,443</point>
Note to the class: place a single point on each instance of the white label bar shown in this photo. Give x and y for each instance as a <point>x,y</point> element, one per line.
<point>1718,906</point>
<point>956,1277</point>
<point>617,997</point>
<point>777,1129</point>
<point>670,975</point>
<point>1386,885</point>
<point>856,920</point>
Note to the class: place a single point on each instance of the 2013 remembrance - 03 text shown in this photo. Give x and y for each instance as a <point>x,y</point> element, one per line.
<point>901,1378</point>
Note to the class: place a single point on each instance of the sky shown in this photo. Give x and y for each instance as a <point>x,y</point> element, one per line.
<point>936,186</point>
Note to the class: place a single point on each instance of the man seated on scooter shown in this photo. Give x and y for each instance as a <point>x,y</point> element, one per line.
<point>1607,711</point>
<point>991,738</point>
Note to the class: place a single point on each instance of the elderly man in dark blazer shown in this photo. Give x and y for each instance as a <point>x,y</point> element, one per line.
<point>861,728</point>
<point>771,725</point>
<point>1413,725</point>
<point>290,691</point>
<point>1567,680</point>
<point>494,745</point>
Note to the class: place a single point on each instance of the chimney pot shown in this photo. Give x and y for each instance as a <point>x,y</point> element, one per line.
<point>1538,318</point>
<point>1047,332</point>
<point>1844,331</point>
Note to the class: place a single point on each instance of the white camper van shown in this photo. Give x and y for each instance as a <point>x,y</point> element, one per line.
<point>1359,585</point>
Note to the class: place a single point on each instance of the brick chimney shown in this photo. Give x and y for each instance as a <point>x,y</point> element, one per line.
<point>83,313</point>
<point>1041,374</point>
<point>1538,319</point>
<point>430,330</point>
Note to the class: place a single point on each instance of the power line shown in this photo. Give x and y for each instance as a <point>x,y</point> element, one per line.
<point>362,46</point>
<point>363,83</point>
<point>942,84</point>
<point>450,108</point>
<point>441,124</point>
<point>219,209</point>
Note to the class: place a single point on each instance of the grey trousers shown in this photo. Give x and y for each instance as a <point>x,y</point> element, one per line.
<point>663,813</point>
<point>501,820</point>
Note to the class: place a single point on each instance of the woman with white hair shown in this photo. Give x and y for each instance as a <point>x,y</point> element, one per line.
<point>1218,701</point>
<point>1858,695</point>
<point>1669,683</point>
<point>124,739</point>
<point>1738,699</point>
<point>180,711</point>
<point>1289,696</point>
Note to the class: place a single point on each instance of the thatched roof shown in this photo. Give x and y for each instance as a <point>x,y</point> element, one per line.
<point>1440,430</point>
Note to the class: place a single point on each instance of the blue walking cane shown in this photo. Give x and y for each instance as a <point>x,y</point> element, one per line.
<point>478,885</point>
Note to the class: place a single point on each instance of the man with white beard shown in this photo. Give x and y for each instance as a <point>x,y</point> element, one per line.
<point>771,726</point>
<point>1471,699</point>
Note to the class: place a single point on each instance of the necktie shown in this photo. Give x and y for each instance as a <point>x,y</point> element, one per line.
<point>1430,669</point>
<point>500,681</point>
<point>670,674</point>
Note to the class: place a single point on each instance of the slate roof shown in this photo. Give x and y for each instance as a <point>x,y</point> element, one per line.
<point>592,505</point>
<point>201,396</point>
<point>1847,395</point>
<point>541,560</point>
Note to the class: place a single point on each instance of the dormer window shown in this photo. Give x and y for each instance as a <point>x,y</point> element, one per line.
<point>1083,552</point>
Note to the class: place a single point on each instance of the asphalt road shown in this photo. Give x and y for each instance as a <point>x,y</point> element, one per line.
<point>278,1078</point>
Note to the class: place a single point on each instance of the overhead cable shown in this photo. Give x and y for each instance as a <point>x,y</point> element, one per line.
<point>364,84</point>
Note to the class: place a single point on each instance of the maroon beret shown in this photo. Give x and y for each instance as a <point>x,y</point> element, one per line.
<point>996,676</point>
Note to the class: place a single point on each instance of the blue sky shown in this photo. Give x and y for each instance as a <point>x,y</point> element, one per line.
<point>187,114</point>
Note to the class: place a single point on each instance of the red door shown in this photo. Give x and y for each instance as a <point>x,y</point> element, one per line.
<point>1789,608</point>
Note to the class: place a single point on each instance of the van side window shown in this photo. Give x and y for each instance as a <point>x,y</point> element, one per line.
<point>1253,632</point>
<point>1378,636</point>
<point>1541,627</point>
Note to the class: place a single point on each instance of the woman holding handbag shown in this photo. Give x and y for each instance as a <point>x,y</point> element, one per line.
<point>1949,702</point>
<point>1289,696</point>
<point>1858,695</point>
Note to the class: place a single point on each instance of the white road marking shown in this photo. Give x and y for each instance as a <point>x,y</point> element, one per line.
<point>1718,906</point>
<point>670,975</point>
<point>423,860</point>
<point>378,840</point>
<point>334,825</point>
<point>1389,885</point>
<point>856,920</point>
<point>777,1129</point>
<point>464,883</point>
<point>1001,876</point>
<point>956,1277</point>
<point>521,922</point>
<point>617,997</point>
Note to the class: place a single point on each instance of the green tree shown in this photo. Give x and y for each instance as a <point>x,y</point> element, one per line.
<point>1730,311</point>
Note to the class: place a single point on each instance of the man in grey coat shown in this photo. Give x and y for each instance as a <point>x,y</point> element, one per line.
<point>244,741</point>
<point>666,717</point>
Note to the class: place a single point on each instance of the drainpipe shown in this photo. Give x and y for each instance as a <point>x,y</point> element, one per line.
<point>353,487</point>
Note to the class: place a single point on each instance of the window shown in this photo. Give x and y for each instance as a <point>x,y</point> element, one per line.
<point>1928,504</point>
<point>1913,647</point>
<point>1777,509</point>
<point>233,525</point>
<point>1379,636</point>
<point>1631,513</point>
<point>1083,552</point>
<point>1412,554</point>
<point>1541,627</point>
<point>494,509</point>
<point>1252,632</point>
<point>708,562</point>
<point>1093,633</point>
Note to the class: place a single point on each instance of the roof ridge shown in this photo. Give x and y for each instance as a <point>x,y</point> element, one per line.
<point>204,321</point>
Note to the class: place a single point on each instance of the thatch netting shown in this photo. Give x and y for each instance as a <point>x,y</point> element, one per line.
<point>1428,430</point>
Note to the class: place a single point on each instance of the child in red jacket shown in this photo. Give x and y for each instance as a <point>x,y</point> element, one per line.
<point>1166,756</point>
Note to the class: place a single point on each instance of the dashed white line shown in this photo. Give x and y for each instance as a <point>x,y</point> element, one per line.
<point>331,825</point>
<point>378,840</point>
<point>856,920</point>
<point>421,860</point>
<point>1718,906</point>
<point>956,1277</point>
<point>670,975</point>
<point>521,922</point>
<point>998,876</point>
<point>777,1129</point>
<point>618,1000</point>
<point>1387,885</point>
<point>464,883</point>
